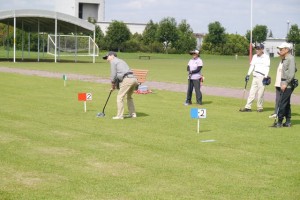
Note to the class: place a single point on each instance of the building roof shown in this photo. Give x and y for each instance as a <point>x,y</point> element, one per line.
<point>46,19</point>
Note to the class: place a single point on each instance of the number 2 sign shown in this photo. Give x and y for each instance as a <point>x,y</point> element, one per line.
<point>197,113</point>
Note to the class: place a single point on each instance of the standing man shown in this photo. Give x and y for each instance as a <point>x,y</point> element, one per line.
<point>194,75</point>
<point>123,79</point>
<point>287,76</point>
<point>260,66</point>
<point>277,88</point>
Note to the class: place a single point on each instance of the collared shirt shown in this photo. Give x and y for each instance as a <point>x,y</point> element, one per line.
<point>118,68</point>
<point>288,69</point>
<point>260,65</point>
<point>194,63</point>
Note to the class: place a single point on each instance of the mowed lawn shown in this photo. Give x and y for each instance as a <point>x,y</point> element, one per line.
<point>51,149</point>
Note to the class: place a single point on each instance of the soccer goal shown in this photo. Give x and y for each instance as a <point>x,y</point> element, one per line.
<point>72,45</point>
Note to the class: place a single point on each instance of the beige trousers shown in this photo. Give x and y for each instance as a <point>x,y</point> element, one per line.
<point>258,88</point>
<point>127,87</point>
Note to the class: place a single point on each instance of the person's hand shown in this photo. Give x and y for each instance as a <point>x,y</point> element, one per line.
<point>247,78</point>
<point>283,87</point>
<point>113,86</point>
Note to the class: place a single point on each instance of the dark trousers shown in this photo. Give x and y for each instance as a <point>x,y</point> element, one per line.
<point>284,110</point>
<point>191,85</point>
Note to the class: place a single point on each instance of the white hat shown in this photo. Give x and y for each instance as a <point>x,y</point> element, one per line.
<point>284,45</point>
<point>194,52</point>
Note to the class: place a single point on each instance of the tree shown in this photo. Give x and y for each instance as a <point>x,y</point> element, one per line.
<point>134,44</point>
<point>294,37</point>
<point>99,37</point>
<point>167,32</point>
<point>187,40</point>
<point>294,34</point>
<point>215,38</point>
<point>236,44</point>
<point>116,35</point>
<point>259,34</point>
<point>149,34</point>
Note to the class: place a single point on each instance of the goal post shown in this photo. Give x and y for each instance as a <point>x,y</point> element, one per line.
<point>72,45</point>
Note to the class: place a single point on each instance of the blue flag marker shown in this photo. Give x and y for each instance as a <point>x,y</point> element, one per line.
<point>194,113</point>
<point>197,113</point>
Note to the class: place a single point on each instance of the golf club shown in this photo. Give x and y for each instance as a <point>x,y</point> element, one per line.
<point>245,89</point>
<point>102,114</point>
<point>244,92</point>
<point>278,106</point>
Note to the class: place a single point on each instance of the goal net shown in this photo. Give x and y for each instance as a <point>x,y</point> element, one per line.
<point>72,45</point>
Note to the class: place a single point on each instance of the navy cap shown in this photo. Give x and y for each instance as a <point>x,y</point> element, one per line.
<point>109,54</point>
<point>259,46</point>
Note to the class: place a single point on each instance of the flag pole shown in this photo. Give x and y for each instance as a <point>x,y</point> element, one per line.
<point>251,25</point>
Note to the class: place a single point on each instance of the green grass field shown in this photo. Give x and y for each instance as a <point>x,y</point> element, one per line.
<point>51,149</point>
<point>221,71</point>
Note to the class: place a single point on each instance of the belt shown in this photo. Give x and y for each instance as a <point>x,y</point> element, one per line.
<point>126,74</point>
<point>259,73</point>
<point>283,79</point>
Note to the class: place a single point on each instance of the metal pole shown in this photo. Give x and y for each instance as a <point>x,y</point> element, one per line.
<point>251,24</point>
<point>55,50</point>
<point>38,46</point>
<point>94,45</point>
<point>15,27</point>
<point>22,40</point>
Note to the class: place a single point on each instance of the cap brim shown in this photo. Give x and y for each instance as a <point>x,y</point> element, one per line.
<point>281,47</point>
<point>104,57</point>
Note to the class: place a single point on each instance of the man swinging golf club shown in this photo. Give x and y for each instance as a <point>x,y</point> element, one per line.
<point>259,67</point>
<point>122,78</point>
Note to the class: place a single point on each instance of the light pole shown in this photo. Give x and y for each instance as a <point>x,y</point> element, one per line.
<point>251,24</point>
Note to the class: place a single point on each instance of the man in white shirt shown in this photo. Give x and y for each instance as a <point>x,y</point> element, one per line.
<point>259,67</point>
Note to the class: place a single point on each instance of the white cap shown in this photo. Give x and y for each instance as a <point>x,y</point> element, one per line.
<point>284,45</point>
<point>194,52</point>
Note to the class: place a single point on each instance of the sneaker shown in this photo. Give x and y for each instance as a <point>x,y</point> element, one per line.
<point>287,124</point>
<point>245,110</point>
<point>277,125</point>
<point>133,115</point>
<point>187,104</point>
<point>260,110</point>
<point>117,117</point>
<point>273,116</point>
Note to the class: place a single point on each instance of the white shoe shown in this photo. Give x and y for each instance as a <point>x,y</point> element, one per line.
<point>133,115</point>
<point>273,116</point>
<point>117,117</point>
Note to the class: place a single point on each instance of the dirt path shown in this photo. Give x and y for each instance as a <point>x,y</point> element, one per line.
<point>214,91</point>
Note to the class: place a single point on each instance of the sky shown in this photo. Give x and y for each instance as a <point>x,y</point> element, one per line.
<point>234,15</point>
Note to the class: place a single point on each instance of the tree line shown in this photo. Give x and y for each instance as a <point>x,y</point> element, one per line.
<point>167,36</point>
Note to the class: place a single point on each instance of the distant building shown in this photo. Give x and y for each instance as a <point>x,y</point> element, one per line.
<point>82,9</point>
<point>271,45</point>
<point>199,38</point>
<point>133,27</point>
<point>85,9</point>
